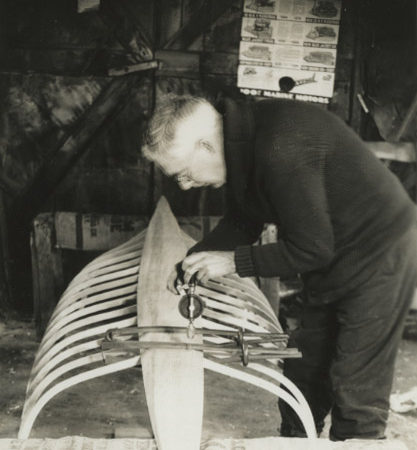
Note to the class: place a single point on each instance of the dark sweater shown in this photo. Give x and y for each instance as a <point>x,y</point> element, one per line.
<point>337,207</point>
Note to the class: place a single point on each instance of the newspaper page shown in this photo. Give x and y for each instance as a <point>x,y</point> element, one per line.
<point>288,48</point>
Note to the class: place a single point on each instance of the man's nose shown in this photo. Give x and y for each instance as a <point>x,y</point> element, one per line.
<point>185,185</point>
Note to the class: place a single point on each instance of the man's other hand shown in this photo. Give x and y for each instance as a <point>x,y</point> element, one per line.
<point>176,279</point>
<point>208,265</point>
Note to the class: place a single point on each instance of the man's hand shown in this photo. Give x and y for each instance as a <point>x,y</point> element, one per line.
<point>208,265</point>
<point>175,279</point>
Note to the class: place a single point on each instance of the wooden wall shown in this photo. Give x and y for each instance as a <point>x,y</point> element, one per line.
<point>77,89</point>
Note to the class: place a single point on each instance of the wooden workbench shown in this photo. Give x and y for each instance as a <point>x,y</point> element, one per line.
<point>269,443</point>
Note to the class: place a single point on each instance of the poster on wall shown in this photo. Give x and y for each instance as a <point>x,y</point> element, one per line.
<point>288,48</point>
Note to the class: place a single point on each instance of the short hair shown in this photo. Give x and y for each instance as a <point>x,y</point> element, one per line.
<point>170,111</point>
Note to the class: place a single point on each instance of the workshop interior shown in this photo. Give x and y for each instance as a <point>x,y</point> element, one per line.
<point>95,350</point>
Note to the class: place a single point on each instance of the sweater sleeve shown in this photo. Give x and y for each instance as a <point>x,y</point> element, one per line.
<point>305,231</point>
<point>232,231</point>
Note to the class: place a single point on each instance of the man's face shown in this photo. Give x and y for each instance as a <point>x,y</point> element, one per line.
<point>197,165</point>
<point>196,157</point>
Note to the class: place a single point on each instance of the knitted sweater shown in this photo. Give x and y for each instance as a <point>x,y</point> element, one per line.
<point>337,207</point>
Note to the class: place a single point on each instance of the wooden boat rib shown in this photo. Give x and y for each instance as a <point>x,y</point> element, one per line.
<point>125,288</point>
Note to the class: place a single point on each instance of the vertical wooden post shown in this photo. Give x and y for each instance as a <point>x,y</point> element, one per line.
<point>270,286</point>
<point>48,284</point>
<point>355,113</point>
<point>5,296</point>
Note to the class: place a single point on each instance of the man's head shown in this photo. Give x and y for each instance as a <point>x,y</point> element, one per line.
<point>185,139</point>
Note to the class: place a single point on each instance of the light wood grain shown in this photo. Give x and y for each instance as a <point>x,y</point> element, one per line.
<point>173,379</point>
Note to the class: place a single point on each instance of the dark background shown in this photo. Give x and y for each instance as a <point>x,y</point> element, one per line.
<point>70,132</point>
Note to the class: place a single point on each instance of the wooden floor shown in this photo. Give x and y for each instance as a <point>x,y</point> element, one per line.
<point>271,443</point>
<point>98,408</point>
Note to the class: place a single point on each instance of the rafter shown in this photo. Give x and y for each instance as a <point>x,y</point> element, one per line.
<point>125,29</point>
<point>199,21</point>
<point>109,103</point>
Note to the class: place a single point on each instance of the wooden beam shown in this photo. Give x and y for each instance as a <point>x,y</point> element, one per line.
<point>87,5</point>
<point>81,61</point>
<point>355,113</point>
<point>270,286</point>
<point>47,270</point>
<point>126,31</point>
<point>140,67</point>
<point>173,378</point>
<point>178,63</point>
<point>100,115</point>
<point>394,151</point>
<point>198,22</point>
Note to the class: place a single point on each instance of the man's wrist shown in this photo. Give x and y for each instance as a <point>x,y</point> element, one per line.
<point>244,261</point>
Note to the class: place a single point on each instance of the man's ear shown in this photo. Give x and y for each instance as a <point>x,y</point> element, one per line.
<point>206,145</point>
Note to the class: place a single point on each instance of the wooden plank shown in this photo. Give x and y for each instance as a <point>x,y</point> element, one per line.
<point>270,286</point>
<point>5,293</point>
<point>100,115</point>
<point>355,114</point>
<point>394,151</point>
<point>340,102</point>
<point>128,34</point>
<point>47,270</point>
<point>173,379</point>
<point>198,22</point>
<point>262,443</point>
<point>178,63</point>
<point>139,67</point>
<point>169,17</point>
<point>87,5</point>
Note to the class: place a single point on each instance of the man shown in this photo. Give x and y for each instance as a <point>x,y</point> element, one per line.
<point>344,223</point>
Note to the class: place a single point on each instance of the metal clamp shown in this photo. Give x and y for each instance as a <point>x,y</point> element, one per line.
<point>241,346</point>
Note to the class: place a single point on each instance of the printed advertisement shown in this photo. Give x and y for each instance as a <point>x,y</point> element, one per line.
<point>289,56</point>
<point>276,81</point>
<point>288,32</point>
<point>302,10</point>
<point>288,48</point>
